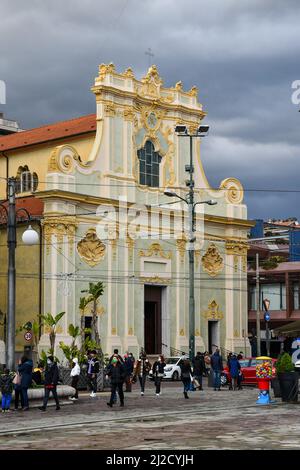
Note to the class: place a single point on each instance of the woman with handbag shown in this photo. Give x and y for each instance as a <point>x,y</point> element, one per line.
<point>51,381</point>
<point>17,390</point>
<point>158,373</point>
<point>186,374</point>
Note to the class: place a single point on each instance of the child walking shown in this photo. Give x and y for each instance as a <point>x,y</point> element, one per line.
<point>6,384</point>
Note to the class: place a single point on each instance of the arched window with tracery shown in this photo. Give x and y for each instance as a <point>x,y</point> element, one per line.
<point>25,180</point>
<point>149,165</point>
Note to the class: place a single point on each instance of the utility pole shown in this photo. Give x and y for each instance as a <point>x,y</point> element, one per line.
<point>29,237</point>
<point>257,307</point>
<point>11,279</point>
<point>182,131</point>
<point>191,257</point>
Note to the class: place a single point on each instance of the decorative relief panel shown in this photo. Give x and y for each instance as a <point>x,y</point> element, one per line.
<point>213,312</point>
<point>181,247</point>
<point>90,248</point>
<point>234,192</point>
<point>155,250</point>
<point>212,261</point>
<point>155,280</point>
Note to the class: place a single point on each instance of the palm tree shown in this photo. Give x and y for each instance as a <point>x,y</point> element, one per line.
<point>82,306</point>
<point>51,322</point>
<point>94,292</point>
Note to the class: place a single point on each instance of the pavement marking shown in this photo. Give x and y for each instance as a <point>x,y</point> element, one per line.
<point>126,418</point>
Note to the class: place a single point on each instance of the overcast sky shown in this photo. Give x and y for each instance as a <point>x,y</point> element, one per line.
<point>242,54</point>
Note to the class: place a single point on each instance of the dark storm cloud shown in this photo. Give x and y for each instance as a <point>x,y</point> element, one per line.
<point>241,54</point>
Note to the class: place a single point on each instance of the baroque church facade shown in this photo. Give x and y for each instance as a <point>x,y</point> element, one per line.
<point>106,218</point>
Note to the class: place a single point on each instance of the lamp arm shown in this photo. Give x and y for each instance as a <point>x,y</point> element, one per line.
<point>24,210</point>
<point>4,208</point>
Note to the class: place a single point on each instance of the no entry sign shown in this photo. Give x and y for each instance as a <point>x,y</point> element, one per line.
<point>28,336</point>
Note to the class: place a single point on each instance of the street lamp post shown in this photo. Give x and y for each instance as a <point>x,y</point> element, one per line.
<point>29,237</point>
<point>181,130</point>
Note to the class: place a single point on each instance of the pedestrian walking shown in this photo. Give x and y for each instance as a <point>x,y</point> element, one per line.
<point>116,354</point>
<point>75,372</point>
<point>92,371</point>
<point>158,370</point>
<point>207,363</point>
<point>186,375</point>
<point>6,386</point>
<point>51,381</point>
<point>234,369</point>
<point>25,369</point>
<point>229,356</point>
<point>116,371</point>
<point>129,364</point>
<point>141,370</point>
<point>199,368</point>
<point>217,367</point>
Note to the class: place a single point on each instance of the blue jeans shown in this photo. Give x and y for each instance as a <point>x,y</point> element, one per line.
<point>217,379</point>
<point>186,385</point>
<point>6,399</point>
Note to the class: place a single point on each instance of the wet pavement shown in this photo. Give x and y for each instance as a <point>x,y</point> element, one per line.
<point>207,420</point>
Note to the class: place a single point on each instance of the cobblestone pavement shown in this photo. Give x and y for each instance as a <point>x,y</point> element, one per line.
<point>208,420</point>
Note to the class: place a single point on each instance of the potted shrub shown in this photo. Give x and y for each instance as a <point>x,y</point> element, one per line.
<point>288,378</point>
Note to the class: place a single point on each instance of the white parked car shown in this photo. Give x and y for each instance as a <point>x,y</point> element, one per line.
<point>172,369</point>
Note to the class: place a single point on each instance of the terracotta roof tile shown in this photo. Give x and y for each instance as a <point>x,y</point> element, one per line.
<point>54,131</point>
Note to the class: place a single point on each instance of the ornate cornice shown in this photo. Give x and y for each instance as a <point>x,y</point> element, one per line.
<point>59,227</point>
<point>236,248</point>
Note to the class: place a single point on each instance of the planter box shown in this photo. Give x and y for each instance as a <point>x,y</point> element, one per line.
<point>289,386</point>
<point>38,393</point>
<point>64,373</point>
<point>276,387</point>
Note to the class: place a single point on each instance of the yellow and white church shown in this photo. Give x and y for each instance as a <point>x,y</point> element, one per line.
<point>100,182</point>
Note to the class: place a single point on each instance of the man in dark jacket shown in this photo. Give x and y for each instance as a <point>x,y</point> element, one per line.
<point>116,372</point>
<point>25,369</point>
<point>217,367</point>
<point>51,380</point>
<point>128,364</point>
<point>199,368</point>
<point>92,371</point>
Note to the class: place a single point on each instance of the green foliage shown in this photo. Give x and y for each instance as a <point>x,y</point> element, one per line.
<point>74,331</point>
<point>69,352</point>
<point>271,262</point>
<point>284,363</point>
<point>52,322</point>
<point>94,291</point>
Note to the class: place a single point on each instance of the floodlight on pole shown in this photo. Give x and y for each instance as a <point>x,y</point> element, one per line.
<point>181,129</point>
<point>203,129</point>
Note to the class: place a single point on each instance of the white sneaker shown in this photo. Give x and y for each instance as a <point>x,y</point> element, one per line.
<point>92,394</point>
<point>157,394</point>
<point>142,394</point>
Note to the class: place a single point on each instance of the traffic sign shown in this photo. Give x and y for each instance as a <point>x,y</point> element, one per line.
<point>267,316</point>
<point>28,336</point>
